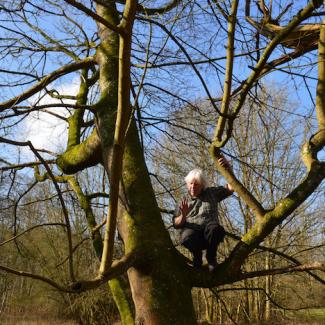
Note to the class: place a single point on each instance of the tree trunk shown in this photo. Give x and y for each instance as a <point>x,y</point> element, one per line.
<point>159,268</point>
<point>156,300</point>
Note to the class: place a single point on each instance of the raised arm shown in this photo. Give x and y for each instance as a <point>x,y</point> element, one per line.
<point>226,164</point>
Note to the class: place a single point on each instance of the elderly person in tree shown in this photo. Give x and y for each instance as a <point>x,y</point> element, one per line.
<point>196,216</point>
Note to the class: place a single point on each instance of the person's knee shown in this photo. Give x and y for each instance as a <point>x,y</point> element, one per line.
<point>192,240</point>
<point>191,243</point>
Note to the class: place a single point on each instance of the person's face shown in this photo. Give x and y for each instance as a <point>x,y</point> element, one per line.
<point>194,187</point>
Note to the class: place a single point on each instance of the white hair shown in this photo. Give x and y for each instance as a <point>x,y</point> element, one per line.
<point>196,174</point>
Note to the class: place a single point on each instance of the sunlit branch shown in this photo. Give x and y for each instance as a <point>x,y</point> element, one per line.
<point>264,226</point>
<point>267,69</point>
<point>317,141</point>
<point>97,195</point>
<point>122,120</point>
<point>229,72</point>
<point>242,191</point>
<point>80,156</point>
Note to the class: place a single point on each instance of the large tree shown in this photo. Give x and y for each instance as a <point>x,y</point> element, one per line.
<point>136,64</point>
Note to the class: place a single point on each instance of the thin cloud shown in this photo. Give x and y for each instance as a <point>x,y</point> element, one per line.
<point>44,130</point>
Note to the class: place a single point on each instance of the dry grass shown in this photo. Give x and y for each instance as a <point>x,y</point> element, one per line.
<point>13,321</point>
<point>37,318</point>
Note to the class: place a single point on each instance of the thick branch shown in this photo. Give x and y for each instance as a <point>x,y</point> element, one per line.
<point>117,268</point>
<point>301,36</point>
<point>81,156</point>
<point>264,226</point>
<point>281,254</point>
<point>76,120</point>
<point>239,188</point>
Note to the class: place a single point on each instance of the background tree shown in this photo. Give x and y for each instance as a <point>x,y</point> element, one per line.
<point>135,65</point>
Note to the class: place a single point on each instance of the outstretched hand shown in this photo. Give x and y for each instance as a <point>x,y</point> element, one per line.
<point>184,208</point>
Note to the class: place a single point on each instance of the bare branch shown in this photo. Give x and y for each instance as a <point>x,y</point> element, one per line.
<point>284,270</point>
<point>35,277</point>
<point>64,209</point>
<point>24,165</point>
<point>30,229</point>
<point>249,82</point>
<point>45,81</point>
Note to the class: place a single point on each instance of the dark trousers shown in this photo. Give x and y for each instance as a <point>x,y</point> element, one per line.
<point>207,236</point>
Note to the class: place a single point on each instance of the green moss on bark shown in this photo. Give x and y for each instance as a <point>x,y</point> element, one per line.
<point>84,155</point>
<point>121,301</point>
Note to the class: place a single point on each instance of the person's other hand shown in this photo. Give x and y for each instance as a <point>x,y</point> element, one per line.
<point>224,162</point>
